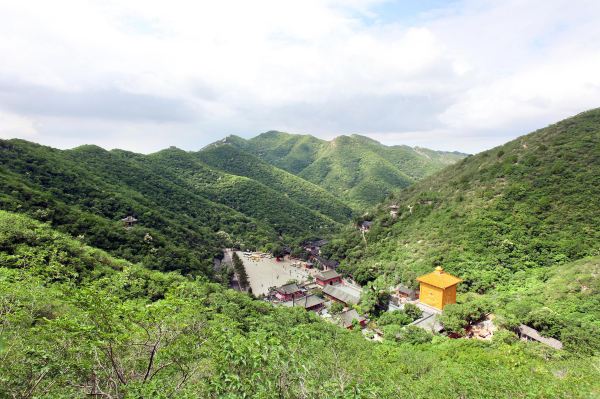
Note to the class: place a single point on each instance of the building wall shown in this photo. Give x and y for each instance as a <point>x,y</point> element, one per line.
<point>432,296</point>
<point>288,297</point>
<point>335,280</point>
<point>449,295</point>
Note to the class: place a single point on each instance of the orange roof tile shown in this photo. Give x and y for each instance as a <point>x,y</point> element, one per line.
<point>439,278</point>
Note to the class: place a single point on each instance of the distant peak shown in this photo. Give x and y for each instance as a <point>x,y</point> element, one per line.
<point>171,150</point>
<point>364,138</point>
<point>89,148</point>
<point>232,137</point>
<point>273,133</point>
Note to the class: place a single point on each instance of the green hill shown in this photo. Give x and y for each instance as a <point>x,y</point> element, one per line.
<point>291,152</point>
<point>187,210</point>
<point>357,169</point>
<point>495,219</point>
<point>232,160</point>
<point>76,322</point>
<point>285,212</point>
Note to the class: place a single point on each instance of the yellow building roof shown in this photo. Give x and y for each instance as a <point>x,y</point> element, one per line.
<point>439,278</point>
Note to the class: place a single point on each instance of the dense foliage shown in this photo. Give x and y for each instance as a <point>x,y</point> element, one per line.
<point>508,221</point>
<point>358,169</point>
<point>235,161</point>
<point>76,322</point>
<point>186,210</point>
<point>240,272</point>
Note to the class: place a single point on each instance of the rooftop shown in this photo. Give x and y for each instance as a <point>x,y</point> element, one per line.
<point>439,278</point>
<point>342,293</point>
<point>328,275</point>
<point>306,302</point>
<point>535,335</point>
<point>429,322</point>
<point>405,290</point>
<point>316,243</point>
<point>366,224</point>
<point>346,318</point>
<point>327,262</point>
<point>288,288</point>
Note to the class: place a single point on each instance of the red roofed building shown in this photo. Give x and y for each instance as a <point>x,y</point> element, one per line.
<point>346,319</point>
<point>288,292</point>
<point>328,277</point>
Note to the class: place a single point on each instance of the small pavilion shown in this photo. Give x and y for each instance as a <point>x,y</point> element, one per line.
<point>129,221</point>
<point>438,288</point>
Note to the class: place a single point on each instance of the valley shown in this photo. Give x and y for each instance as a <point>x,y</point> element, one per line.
<point>358,270</point>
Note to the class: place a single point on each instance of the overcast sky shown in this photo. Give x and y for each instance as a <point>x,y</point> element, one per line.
<point>144,75</point>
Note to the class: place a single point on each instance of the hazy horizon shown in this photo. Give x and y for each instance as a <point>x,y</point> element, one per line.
<point>459,75</point>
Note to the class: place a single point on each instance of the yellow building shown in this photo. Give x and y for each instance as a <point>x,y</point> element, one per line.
<point>438,288</point>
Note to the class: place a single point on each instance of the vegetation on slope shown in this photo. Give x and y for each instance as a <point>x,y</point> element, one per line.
<point>55,186</point>
<point>187,210</point>
<point>291,152</point>
<point>514,214</point>
<point>251,197</point>
<point>235,161</point>
<point>348,169</point>
<point>76,322</point>
<point>358,169</point>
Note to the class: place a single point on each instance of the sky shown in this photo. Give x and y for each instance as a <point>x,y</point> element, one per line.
<point>143,75</point>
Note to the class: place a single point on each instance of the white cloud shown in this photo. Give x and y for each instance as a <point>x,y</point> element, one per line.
<point>13,125</point>
<point>186,73</point>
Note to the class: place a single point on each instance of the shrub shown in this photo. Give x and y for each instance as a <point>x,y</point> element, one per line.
<point>413,335</point>
<point>413,311</point>
<point>336,308</point>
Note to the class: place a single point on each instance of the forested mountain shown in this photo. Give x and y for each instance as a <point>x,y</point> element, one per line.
<point>506,221</point>
<point>82,314</point>
<point>358,169</point>
<point>235,161</point>
<point>191,204</point>
<point>187,210</point>
<point>76,322</point>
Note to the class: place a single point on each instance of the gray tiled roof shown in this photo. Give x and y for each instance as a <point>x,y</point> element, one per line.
<point>305,302</point>
<point>288,288</point>
<point>535,335</point>
<point>348,316</point>
<point>405,290</point>
<point>328,274</point>
<point>340,294</point>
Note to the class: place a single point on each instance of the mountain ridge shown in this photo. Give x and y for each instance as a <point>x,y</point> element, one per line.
<point>509,217</point>
<point>354,167</point>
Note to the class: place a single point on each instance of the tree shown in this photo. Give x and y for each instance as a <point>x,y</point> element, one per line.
<point>397,317</point>
<point>375,297</point>
<point>413,335</point>
<point>457,316</point>
<point>413,311</point>
<point>336,308</point>
<point>278,251</point>
<point>240,271</point>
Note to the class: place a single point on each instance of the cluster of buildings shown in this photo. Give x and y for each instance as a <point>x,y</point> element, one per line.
<point>328,287</point>
<point>256,256</point>
<point>436,290</point>
<point>315,258</point>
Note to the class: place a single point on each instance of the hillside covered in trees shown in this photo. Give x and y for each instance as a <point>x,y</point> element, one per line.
<point>512,222</point>
<point>76,322</point>
<point>189,205</point>
<point>89,307</point>
<point>355,168</point>
<point>186,210</point>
